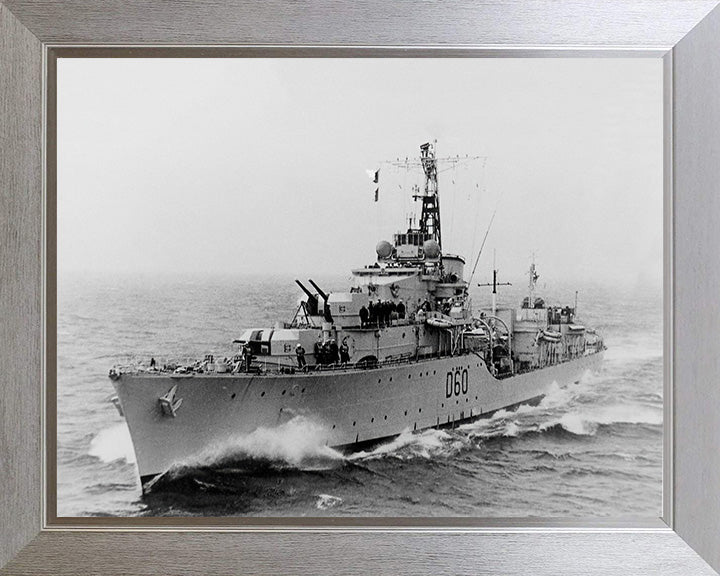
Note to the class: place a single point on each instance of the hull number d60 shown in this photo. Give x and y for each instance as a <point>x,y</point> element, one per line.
<point>456,383</point>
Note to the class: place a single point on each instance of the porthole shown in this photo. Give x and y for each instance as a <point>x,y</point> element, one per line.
<point>419,410</point>
<point>433,372</point>
<point>409,376</point>
<point>403,335</point>
<point>333,426</point>
<point>372,419</point>
<point>232,396</point>
<point>457,401</point>
<point>390,378</point>
<point>443,405</point>
<point>283,393</point>
<point>262,393</point>
<point>385,416</point>
<point>405,412</point>
<point>354,422</point>
<point>302,391</point>
<point>379,380</point>
<point>475,397</point>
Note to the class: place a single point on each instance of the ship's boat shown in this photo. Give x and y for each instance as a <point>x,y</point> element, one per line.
<point>550,335</point>
<point>400,350</point>
<point>439,323</point>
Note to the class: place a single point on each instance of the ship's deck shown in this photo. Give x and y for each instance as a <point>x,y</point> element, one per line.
<point>259,369</point>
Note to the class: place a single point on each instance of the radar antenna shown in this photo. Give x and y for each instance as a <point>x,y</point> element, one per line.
<point>494,285</point>
<point>429,223</point>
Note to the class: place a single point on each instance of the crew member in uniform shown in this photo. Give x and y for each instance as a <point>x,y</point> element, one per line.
<point>300,352</point>
<point>333,351</point>
<point>247,357</point>
<point>364,314</point>
<point>344,351</point>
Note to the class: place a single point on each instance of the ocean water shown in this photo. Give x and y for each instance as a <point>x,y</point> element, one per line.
<point>592,449</point>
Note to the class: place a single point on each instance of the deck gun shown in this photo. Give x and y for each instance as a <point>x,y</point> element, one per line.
<point>312,301</point>
<point>326,308</point>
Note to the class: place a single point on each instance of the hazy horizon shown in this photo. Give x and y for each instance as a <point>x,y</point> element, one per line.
<point>252,166</point>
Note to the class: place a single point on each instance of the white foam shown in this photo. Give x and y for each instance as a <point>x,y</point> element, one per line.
<point>556,396</point>
<point>577,424</point>
<point>500,415</point>
<point>586,423</point>
<point>408,444</point>
<point>626,414</point>
<point>113,444</point>
<point>300,442</point>
<point>527,409</point>
<point>511,430</point>
<point>326,501</point>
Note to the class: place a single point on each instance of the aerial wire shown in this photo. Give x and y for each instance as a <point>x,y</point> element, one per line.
<point>492,219</point>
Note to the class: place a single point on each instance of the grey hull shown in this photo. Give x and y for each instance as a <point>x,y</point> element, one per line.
<point>349,407</point>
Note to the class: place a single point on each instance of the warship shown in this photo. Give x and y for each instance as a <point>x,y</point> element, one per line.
<point>400,350</point>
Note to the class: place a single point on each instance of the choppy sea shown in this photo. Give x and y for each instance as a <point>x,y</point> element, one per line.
<point>592,449</point>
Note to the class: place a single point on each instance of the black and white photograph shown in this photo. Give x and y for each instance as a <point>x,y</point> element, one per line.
<point>360,287</point>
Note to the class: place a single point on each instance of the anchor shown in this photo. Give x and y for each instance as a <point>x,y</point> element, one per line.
<point>168,404</point>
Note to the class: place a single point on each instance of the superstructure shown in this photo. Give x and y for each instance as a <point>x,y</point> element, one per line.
<point>401,349</point>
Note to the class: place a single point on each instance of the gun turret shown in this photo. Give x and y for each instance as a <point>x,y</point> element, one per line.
<point>326,308</point>
<point>322,294</point>
<point>312,301</point>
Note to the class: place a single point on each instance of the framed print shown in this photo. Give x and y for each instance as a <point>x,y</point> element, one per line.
<point>86,92</point>
<point>427,354</point>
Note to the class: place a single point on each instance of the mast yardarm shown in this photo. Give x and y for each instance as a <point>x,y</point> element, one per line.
<point>429,223</point>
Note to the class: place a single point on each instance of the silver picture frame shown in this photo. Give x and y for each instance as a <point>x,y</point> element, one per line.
<point>684,34</point>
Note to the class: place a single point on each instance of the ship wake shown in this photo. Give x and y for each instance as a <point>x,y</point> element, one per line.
<point>113,444</point>
<point>298,445</point>
<point>569,411</point>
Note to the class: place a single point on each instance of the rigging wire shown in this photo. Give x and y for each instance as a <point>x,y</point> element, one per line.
<point>452,207</point>
<point>492,219</point>
<point>478,196</point>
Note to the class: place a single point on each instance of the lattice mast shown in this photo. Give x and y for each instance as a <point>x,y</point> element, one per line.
<point>429,223</point>
<point>430,215</point>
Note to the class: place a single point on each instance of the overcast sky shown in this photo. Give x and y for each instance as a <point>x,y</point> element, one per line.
<point>240,166</point>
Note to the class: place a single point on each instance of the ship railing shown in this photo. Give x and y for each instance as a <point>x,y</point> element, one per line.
<point>365,365</point>
<point>378,324</point>
<point>165,364</point>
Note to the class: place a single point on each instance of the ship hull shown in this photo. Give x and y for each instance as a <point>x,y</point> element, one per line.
<point>353,407</point>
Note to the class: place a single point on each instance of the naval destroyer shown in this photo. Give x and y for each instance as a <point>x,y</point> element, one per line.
<point>400,350</point>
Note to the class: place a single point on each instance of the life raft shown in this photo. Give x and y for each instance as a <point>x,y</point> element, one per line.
<point>549,336</point>
<point>438,322</point>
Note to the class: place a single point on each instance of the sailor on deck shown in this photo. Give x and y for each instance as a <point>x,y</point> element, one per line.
<point>300,352</point>
<point>247,357</point>
<point>364,314</point>
<point>344,351</point>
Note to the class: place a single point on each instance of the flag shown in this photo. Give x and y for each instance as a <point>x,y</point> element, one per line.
<point>377,191</point>
<point>374,175</point>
